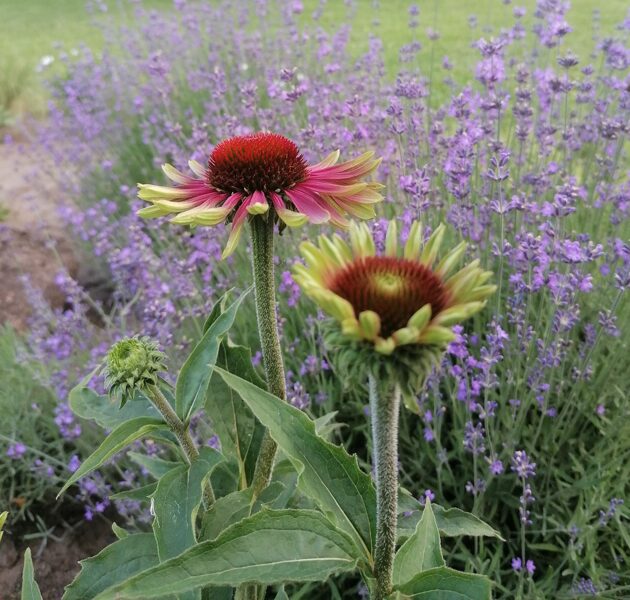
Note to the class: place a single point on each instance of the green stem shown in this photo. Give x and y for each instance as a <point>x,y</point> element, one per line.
<point>265,292</point>
<point>179,428</point>
<point>385,408</point>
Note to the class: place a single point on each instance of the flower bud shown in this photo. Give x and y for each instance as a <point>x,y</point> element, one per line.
<point>132,364</point>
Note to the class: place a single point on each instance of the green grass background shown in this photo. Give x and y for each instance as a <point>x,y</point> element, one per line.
<point>31,29</point>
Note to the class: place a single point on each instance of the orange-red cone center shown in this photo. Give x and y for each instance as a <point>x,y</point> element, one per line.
<point>264,162</point>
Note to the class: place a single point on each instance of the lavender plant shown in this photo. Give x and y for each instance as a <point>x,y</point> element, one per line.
<point>525,159</point>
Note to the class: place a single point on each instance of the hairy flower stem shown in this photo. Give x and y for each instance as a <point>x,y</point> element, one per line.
<point>179,428</point>
<point>265,292</point>
<point>385,408</point>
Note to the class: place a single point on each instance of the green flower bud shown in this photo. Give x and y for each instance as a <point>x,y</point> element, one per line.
<point>131,366</point>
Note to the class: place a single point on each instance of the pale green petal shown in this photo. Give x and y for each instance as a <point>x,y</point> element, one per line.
<point>421,317</point>
<point>391,240</point>
<point>450,261</point>
<point>370,324</point>
<point>414,241</point>
<point>432,247</point>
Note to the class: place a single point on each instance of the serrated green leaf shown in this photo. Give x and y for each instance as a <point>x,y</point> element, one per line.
<point>268,548</point>
<point>194,377</point>
<point>452,522</point>
<point>112,565</point>
<point>238,430</point>
<point>328,474</point>
<point>176,502</point>
<point>118,439</point>
<point>157,467</point>
<point>30,589</point>
<point>421,551</point>
<point>443,583</point>
<point>87,404</point>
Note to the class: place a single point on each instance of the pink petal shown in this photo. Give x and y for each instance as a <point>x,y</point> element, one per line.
<point>308,204</point>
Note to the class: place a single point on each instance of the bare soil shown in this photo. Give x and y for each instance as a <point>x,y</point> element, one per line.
<point>32,238</point>
<point>56,562</point>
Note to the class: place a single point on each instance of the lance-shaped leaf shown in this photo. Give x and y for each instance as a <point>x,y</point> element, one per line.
<point>421,551</point>
<point>443,583</point>
<point>268,548</point>
<point>238,430</point>
<point>194,377</point>
<point>87,404</point>
<point>155,466</point>
<point>118,439</point>
<point>328,474</point>
<point>452,522</point>
<point>142,493</point>
<point>114,564</point>
<point>30,589</point>
<point>176,502</point>
<point>3,518</point>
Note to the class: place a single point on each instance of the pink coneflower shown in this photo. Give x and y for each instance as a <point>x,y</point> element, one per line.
<point>253,174</point>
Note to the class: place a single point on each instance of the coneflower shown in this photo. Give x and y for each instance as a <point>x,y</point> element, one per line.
<point>261,173</point>
<point>394,312</point>
<point>264,179</point>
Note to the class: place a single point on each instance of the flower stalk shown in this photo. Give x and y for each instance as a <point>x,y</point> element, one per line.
<point>180,429</point>
<point>262,231</point>
<point>133,365</point>
<point>385,408</point>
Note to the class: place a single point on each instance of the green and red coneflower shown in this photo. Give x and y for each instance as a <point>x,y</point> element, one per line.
<point>263,179</point>
<point>404,297</point>
<point>254,174</point>
<point>394,312</point>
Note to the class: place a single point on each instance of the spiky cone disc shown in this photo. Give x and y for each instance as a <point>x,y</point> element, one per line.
<point>394,311</point>
<point>132,365</point>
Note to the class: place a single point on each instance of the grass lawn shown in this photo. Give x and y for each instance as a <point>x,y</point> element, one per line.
<point>450,19</point>
<point>32,29</point>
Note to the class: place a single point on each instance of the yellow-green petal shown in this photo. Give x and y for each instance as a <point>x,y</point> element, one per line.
<point>385,346</point>
<point>450,260</point>
<point>391,240</point>
<point>432,247</point>
<point>405,336</point>
<point>437,335</point>
<point>414,241</point>
<point>421,317</point>
<point>370,324</point>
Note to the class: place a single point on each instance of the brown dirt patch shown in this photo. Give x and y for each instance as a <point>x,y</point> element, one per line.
<point>56,563</point>
<point>32,239</point>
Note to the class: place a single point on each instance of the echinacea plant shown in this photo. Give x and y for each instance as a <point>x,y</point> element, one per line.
<point>264,178</point>
<point>239,540</point>
<point>395,312</point>
<point>225,524</point>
